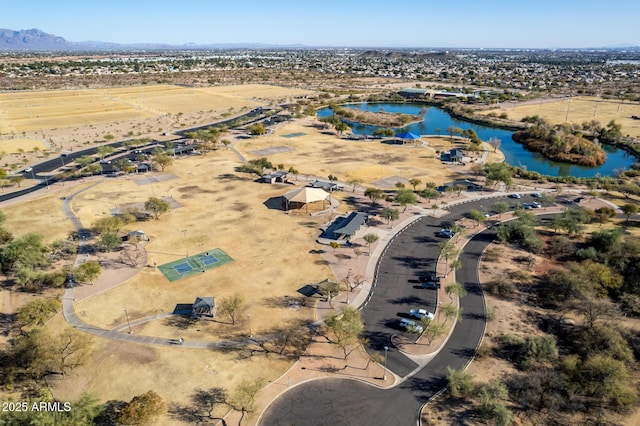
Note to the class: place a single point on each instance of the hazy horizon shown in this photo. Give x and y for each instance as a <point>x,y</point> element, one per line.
<point>375,23</point>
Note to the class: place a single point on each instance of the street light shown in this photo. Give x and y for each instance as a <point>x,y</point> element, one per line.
<point>249,317</point>
<point>386,351</point>
<point>128,323</point>
<point>186,247</point>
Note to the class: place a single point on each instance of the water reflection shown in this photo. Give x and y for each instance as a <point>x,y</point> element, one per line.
<point>436,122</point>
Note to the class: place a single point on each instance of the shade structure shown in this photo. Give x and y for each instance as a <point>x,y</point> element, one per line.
<point>305,195</point>
<point>407,135</point>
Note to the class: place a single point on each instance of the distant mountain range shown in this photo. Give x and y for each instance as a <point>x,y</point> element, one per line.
<point>37,40</point>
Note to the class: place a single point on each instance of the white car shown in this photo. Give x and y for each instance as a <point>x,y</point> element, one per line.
<point>421,313</point>
<point>410,326</point>
<point>515,195</point>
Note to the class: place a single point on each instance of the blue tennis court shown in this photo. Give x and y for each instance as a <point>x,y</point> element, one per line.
<point>197,263</point>
<point>181,268</point>
<point>209,259</point>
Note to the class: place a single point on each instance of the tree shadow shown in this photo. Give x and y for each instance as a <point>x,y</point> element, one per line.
<point>203,404</point>
<point>109,414</point>
<point>181,322</point>
<point>413,262</point>
<point>408,300</point>
<point>425,388</point>
<point>226,177</point>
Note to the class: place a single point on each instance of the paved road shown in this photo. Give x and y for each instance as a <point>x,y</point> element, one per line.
<point>348,402</point>
<point>67,158</point>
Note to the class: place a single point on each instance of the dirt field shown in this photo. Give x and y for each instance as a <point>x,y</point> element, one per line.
<point>578,110</point>
<point>320,153</point>
<point>72,119</point>
<point>18,146</point>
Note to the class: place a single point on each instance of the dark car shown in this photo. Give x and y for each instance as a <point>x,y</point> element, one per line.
<point>429,276</point>
<point>446,233</point>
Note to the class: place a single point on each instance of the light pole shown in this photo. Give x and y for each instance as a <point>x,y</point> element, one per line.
<point>386,351</point>
<point>128,323</point>
<point>186,247</point>
<point>249,317</point>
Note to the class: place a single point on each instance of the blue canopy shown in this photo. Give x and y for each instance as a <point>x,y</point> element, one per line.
<point>407,135</point>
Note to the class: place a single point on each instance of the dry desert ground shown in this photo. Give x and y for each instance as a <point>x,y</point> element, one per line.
<point>72,119</point>
<point>578,110</point>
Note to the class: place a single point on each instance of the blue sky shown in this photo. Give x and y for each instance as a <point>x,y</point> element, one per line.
<point>372,23</point>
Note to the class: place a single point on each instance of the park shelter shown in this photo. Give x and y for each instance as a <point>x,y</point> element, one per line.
<point>274,177</point>
<point>407,136</point>
<point>138,235</point>
<point>303,197</point>
<point>327,186</point>
<point>204,306</point>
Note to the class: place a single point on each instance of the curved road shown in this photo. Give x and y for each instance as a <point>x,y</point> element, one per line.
<point>349,402</point>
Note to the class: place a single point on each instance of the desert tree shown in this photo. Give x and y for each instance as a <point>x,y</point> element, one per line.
<point>432,329</point>
<point>415,182</point>
<point>243,397</point>
<point>38,311</point>
<point>429,194</point>
<point>105,150</point>
<point>370,239</point>
<point>390,214</point>
<point>477,217</point>
<point>69,350</point>
<point>629,210</point>
<point>355,183</point>
<point>330,289</point>
<point>157,206</point>
<point>231,306</point>
<point>88,271</point>
<point>345,327</point>
<point>109,241</point>
<point>374,194</point>
<point>257,129</point>
<point>500,207</point>
<point>142,409</point>
<point>455,289</point>
<point>461,383</point>
<point>404,197</point>
<point>162,160</point>
<point>450,311</point>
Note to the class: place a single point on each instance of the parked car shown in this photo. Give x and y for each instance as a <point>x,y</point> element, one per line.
<point>536,195</point>
<point>526,206</point>
<point>579,200</point>
<point>446,233</point>
<point>429,277</point>
<point>515,195</point>
<point>421,313</point>
<point>536,205</point>
<point>28,170</point>
<point>411,326</point>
